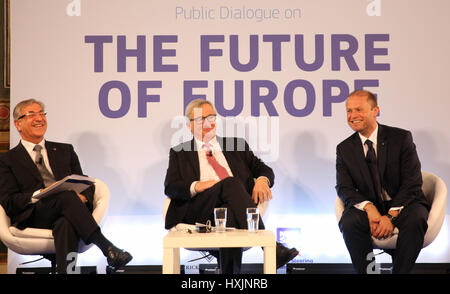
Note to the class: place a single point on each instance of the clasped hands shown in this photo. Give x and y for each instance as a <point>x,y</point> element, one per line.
<point>261,191</point>
<point>380,225</point>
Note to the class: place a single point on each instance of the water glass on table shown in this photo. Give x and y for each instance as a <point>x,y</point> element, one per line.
<point>252,219</point>
<point>220,219</point>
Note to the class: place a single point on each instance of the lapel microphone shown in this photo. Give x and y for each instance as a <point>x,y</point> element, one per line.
<point>210,153</point>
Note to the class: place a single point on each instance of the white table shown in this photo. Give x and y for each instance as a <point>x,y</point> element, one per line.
<point>174,240</point>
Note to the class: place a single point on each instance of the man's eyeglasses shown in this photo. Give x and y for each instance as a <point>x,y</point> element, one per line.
<point>210,118</point>
<point>33,114</point>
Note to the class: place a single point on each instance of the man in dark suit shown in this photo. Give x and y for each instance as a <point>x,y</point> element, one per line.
<point>33,165</point>
<point>379,179</point>
<point>209,172</point>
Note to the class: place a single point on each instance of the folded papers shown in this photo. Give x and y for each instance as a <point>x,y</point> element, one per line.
<point>77,183</point>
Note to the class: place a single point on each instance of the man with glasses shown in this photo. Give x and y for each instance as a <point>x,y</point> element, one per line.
<point>211,171</point>
<point>33,165</point>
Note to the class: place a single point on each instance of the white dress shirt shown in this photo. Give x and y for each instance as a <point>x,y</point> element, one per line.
<point>30,146</point>
<point>207,172</point>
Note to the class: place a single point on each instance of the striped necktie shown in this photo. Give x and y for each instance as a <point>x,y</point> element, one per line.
<point>39,161</point>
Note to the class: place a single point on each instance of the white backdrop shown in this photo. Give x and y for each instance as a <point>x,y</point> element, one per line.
<point>72,55</point>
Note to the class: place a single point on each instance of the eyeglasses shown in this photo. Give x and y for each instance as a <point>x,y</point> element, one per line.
<point>33,114</point>
<point>210,118</point>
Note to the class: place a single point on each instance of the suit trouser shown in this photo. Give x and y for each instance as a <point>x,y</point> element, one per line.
<point>412,226</point>
<point>68,218</point>
<point>229,193</point>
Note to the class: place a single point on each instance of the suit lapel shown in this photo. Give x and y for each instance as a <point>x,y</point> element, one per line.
<point>193,158</point>
<point>229,155</point>
<point>381,150</point>
<point>21,156</point>
<point>52,154</point>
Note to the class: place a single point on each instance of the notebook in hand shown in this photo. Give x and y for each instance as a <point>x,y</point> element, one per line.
<point>77,183</point>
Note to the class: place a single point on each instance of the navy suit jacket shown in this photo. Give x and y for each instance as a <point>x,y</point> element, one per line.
<point>398,164</point>
<point>20,178</point>
<point>184,168</point>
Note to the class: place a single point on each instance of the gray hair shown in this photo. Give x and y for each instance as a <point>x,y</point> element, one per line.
<point>197,103</point>
<point>18,109</point>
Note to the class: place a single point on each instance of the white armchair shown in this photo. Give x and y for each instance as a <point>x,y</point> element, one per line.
<point>32,241</point>
<point>435,192</point>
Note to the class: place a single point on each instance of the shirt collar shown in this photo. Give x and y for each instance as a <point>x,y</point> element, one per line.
<point>213,142</point>
<point>29,146</point>
<point>373,137</point>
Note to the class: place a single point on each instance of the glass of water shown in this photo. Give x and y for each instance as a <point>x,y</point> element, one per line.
<point>220,219</point>
<point>252,219</point>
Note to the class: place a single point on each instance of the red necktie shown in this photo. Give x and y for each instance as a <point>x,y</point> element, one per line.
<point>220,170</point>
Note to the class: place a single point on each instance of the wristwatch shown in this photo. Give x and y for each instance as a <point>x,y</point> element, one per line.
<point>391,218</point>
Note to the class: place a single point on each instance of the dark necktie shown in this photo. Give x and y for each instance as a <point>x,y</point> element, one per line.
<point>220,170</point>
<point>372,163</point>
<point>39,161</point>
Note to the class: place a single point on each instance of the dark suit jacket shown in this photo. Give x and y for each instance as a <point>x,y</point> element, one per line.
<point>184,168</point>
<point>19,177</point>
<point>398,163</point>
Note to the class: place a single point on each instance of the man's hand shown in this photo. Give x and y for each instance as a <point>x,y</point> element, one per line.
<point>82,198</point>
<point>202,186</point>
<point>384,228</point>
<point>261,191</point>
<point>394,212</point>
<point>373,215</point>
<point>380,226</point>
<point>45,189</point>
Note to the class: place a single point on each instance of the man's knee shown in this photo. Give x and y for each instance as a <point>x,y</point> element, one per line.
<point>232,188</point>
<point>233,184</point>
<point>231,181</point>
<point>67,199</point>
<point>353,220</point>
<point>415,219</point>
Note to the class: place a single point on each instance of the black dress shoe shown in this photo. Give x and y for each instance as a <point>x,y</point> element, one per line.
<point>284,254</point>
<point>117,259</point>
